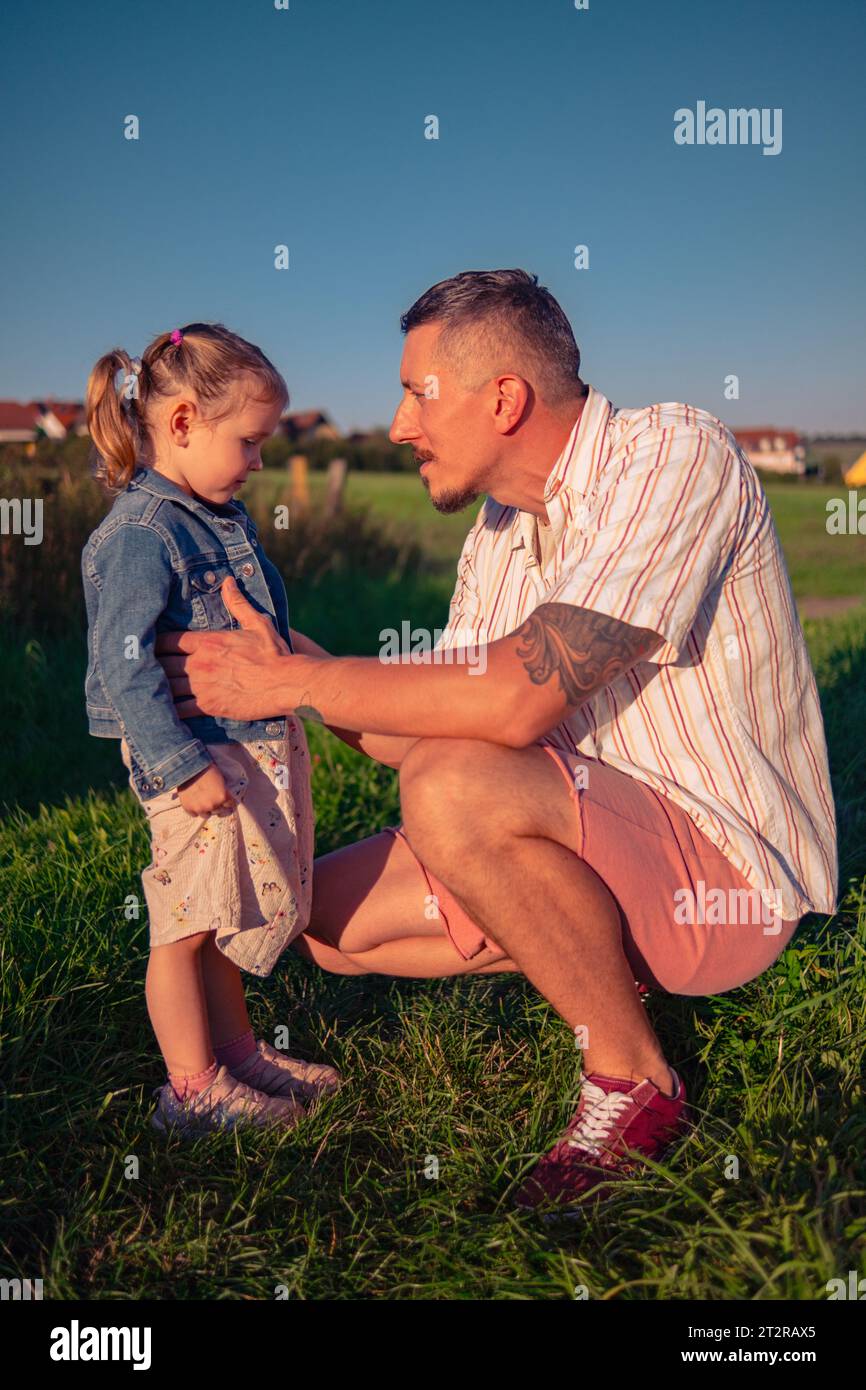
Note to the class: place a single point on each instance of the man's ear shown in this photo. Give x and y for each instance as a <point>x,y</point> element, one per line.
<point>511,403</point>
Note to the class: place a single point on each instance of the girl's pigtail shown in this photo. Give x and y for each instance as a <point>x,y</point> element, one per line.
<point>114,418</point>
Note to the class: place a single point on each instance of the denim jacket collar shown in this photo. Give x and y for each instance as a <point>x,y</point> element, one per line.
<point>148,480</point>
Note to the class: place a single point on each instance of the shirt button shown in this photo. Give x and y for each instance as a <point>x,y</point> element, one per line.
<point>157,782</point>
<point>272,728</point>
<point>553,489</point>
<point>209,576</point>
<point>248,569</point>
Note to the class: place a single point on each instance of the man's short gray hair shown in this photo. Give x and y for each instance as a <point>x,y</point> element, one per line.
<point>495,321</point>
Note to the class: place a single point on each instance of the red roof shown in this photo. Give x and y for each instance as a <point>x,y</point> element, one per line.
<point>67,412</point>
<point>15,416</point>
<point>751,437</point>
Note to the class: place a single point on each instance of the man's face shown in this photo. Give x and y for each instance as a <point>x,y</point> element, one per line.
<point>447,426</point>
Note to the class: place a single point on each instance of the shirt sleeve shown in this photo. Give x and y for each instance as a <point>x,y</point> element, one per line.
<point>659,536</point>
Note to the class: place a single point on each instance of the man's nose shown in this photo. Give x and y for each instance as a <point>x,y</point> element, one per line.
<point>402,429</point>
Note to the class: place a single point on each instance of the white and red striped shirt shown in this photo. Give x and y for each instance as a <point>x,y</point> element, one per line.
<point>659,520</point>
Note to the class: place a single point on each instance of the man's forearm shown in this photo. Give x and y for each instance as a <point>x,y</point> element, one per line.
<point>403,702</point>
<point>382,748</point>
<point>528,682</point>
<point>511,691</point>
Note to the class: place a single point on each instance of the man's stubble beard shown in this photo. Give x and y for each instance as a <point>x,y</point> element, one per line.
<point>451,500</point>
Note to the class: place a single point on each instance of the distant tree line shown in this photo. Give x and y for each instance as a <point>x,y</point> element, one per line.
<point>370,453</point>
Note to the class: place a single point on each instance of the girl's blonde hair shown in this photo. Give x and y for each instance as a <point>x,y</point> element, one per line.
<point>208,361</point>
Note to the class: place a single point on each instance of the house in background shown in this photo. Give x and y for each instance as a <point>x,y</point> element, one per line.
<point>18,423</point>
<point>25,423</point>
<point>772,450</point>
<point>303,426</point>
<point>70,416</point>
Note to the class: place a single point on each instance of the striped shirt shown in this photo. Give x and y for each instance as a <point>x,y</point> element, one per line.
<point>659,520</point>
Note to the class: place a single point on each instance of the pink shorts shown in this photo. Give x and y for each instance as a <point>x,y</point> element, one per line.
<point>691,923</point>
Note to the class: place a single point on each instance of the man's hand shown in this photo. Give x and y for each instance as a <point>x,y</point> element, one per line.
<point>556,661</point>
<point>234,675</point>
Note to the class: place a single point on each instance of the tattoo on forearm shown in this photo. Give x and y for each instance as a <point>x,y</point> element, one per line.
<point>586,650</point>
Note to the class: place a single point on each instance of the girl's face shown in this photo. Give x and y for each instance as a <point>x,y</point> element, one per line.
<point>212,460</point>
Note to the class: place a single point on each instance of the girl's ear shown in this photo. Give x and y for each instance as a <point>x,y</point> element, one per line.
<point>180,422</point>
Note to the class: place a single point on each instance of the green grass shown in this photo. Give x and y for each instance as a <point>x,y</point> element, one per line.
<point>477,1074</point>
<point>820,565</point>
<point>399,500</point>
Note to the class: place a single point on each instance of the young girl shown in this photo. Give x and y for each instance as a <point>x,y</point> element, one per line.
<point>231,820</point>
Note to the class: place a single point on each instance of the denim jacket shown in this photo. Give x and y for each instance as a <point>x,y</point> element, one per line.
<point>155,563</point>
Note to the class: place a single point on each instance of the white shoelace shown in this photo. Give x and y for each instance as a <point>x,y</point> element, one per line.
<point>599,1117</point>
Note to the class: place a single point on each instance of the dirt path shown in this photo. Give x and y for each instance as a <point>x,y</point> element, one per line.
<point>827,607</point>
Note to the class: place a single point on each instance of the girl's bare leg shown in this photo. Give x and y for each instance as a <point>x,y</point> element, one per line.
<point>224,993</point>
<point>177,1005</point>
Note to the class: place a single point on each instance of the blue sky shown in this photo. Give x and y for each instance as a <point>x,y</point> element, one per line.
<point>306,127</point>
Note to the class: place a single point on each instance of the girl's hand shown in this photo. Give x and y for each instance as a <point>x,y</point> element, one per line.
<point>205,792</point>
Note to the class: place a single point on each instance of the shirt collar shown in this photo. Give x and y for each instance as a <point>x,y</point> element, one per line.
<point>574,470</point>
<point>578,463</point>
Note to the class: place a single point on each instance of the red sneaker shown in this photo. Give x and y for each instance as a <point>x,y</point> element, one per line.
<point>615,1122</point>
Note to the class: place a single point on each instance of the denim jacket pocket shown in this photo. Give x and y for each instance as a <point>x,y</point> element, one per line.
<point>208,609</point>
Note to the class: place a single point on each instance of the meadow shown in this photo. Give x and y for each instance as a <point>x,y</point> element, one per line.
<point>479,1075</point>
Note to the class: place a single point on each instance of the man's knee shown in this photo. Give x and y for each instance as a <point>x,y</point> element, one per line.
<point>436,785</point>
<point>454,791</point>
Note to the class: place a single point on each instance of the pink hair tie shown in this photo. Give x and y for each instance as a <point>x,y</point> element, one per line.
<point>177,336</point>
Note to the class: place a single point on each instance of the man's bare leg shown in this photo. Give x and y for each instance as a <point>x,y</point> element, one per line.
<point>368,908</point>
<point>368,918</point>
<point>498,827</point>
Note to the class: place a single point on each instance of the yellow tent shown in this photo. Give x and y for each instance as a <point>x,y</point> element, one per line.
<point>856,475</point>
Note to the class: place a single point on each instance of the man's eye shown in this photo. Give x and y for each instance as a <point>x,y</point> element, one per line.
<point>250,441</point>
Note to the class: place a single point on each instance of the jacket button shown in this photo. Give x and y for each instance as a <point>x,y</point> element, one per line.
<point>208,576</point>
<point>227,525</point>
<point>248,569</point>
<point>272,728</point>
<point>145,786</point>
<point>157,782</point>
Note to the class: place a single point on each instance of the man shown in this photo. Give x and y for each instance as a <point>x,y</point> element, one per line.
<point>642,761</point>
